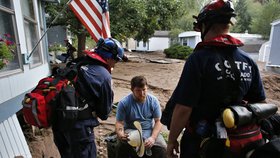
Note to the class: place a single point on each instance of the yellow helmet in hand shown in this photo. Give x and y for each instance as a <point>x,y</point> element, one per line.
<point>228,118</point>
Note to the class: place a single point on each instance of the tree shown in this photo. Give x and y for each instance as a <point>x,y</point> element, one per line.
<point>185,21</point>
<point>161,15</point>
<point>139,19</point>
<point>128,18</point>
<point>67,18</point>
<point>264,1</point>
<point>269,12</point>
<point>243,17</point>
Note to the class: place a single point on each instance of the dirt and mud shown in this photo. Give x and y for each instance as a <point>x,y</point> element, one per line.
<point>162,74</point>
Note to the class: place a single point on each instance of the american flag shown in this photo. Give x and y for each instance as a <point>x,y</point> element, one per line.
<point>94,15</point>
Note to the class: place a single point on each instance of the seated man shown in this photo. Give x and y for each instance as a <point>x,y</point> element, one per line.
<point>145,108</point>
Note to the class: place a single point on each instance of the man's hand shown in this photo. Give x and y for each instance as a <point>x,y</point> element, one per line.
<point>180,117</point>
<point>120,131</point>
<point>122,135</point>
<point>149,142</point>
<point>171,147</point>
<point>125,58</point>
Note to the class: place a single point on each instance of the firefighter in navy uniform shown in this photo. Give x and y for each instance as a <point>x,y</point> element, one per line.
<point>215,75</point>
<point>94,85</point>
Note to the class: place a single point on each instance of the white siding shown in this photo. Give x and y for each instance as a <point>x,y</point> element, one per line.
<point>14,85</point>
<point>192,42</point>
<point>158,43</point>
<point>5,93</point>
<point>12,141</point>
<point>274,57</point>
<point>264,52</point>
<point>140,46</point>
<point>190,38</point>
<point>154,44</point>
<point>131,44</point>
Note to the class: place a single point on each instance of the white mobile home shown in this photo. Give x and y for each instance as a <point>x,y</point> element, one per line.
<point>22,22</point>
<point>189,38</point>
<point>158,42</point>
<point>274,57</point>
<point>252,42</point>
<point>273,63</point>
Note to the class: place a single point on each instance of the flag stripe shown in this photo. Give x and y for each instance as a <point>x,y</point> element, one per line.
<point>106,26</point>
<point>98,8</point>
<point>94,10</point>
<point>79,13</point>
<point>94,15</point>
<point>95,35</point>
<point>90,15</point>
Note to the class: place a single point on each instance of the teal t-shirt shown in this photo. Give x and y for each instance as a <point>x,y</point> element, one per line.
<point>129,111</point>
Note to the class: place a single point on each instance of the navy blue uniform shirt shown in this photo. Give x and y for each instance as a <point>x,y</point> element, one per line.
<point>95,84</point>
<point>201,85</point>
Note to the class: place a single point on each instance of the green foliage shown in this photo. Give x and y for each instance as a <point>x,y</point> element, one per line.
<point>126,18</point>
<point>254,16</point>
<point>165,135</point>
<point>90,43</point>
<point>139,19</point>
<point>243,17</point>
<point>5,54</point>
<point>178,51</point>
<point>57,47</point>
<point>7,50</point>
<point>185,21</point>
<point>174,35</point>
<point>165,11</point>
<point>269,12</point>
<point>66,18</point>
<point>254,8</point>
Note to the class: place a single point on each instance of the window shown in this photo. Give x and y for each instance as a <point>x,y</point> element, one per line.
<point>6,3</point>
<point>144,44</point>
<point>8,33</point>
<point>185,42</point>
<point>42,24</point>
<point>31,31</point>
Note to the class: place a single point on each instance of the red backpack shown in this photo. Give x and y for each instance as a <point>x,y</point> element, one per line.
<point>40,102</point>
<point>54,98</point>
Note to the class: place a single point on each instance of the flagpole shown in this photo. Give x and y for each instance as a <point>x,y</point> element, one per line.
<point>54,20</point>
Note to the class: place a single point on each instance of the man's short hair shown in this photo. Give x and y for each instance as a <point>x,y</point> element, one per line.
<point>138,81</point>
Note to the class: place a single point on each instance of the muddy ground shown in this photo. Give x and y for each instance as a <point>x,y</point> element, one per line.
<point>162,78</point>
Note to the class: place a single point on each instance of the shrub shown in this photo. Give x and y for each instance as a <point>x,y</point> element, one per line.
<point>178,51</point>
<point>57,47</point>
<point>7,49</point>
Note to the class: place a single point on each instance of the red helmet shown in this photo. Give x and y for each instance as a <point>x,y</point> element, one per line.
<point>217,11</point>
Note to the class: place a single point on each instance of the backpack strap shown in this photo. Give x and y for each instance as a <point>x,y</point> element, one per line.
<point>85,110</point>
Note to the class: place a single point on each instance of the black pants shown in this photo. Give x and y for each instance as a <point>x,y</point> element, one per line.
<point>212,148</point>
<point>77,142</point>
<point>124,150</point>
<point>189,146</point>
